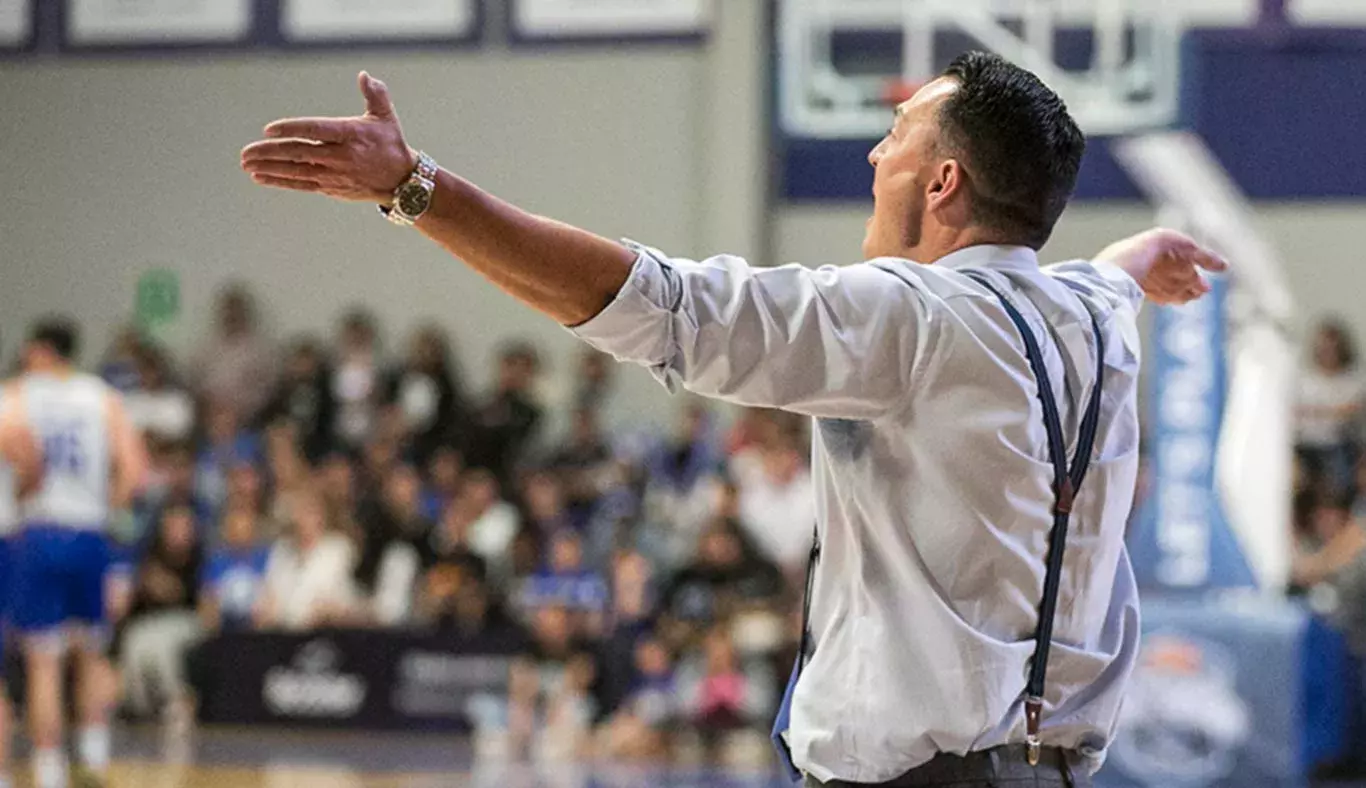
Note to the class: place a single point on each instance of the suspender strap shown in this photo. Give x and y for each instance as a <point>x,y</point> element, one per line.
<point>1066,482</point>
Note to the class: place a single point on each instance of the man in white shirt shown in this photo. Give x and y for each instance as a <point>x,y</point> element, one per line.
<point>934,490</point>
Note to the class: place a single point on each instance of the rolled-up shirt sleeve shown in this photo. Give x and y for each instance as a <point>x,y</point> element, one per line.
<point>839,342</point>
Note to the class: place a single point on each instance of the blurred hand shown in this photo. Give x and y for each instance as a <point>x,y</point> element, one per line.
<point>358,158</point>
<point>1166,264</point>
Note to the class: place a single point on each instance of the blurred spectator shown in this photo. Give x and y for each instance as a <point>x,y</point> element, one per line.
<point>544,501</point>
<point>1328,405</point>
<point>246,490</point>
<point>337,486</point>
<point>428,393</point>
<point>162,410</point>
<point>304,398</point>
<point>394,529</point>
<point>680,492</point>
<point>171,481</point>
<point>505,423</point>
<point>720,697</point>
<point>444,470</point>
<point>226,444</point>
<point>119,366</point>
<point>236,367</point>
<point>639,729</point>
<point>726,577</point>
<point>566,582</point>
<point>777,502</point>
<point>594,380</point>
<point>583,463</point>
<point>549,700</point>
<point>457,598</point>
<point>628,619</point>
<point>479,521</point>
<point>308,574</point>
<point>234,574</point>
<point>162,622</point>
<point>356,378</point>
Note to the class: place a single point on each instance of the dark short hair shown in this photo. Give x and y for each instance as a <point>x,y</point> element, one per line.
<point>1021,147</point>
<point>58,333</point>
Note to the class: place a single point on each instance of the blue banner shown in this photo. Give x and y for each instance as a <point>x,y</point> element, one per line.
<point>1181,539</point>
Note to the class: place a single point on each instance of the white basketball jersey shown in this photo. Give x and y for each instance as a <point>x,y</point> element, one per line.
<point>9,507</point>
<point>69,418</point>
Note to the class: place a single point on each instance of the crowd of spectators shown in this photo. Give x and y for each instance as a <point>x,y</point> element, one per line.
<point>331,483</point>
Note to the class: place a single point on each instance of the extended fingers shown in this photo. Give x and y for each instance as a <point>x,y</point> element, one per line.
<point>289,169</point>
<point>296,150</point>
<point>286,183</point>
<point>320,129</point>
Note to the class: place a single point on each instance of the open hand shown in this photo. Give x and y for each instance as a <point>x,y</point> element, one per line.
<point>357,158</point>
<point>1166,264</point>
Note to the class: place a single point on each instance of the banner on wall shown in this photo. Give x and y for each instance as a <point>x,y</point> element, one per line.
<point>16,22</point>
<point>551,19</point>
<point>117,22</point>
<point>376,20</point>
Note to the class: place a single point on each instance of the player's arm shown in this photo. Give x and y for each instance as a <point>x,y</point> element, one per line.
<point>20,449</point>
<point>129,453</point>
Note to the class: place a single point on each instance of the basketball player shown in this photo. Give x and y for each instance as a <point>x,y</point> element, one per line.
<point>20,472</point>
<point>93,460</point>
<point>959,392</point>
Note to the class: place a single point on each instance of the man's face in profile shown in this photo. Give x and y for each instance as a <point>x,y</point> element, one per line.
<point>902,163</point>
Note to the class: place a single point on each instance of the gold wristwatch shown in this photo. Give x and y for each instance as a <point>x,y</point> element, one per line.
<point>413,197</point>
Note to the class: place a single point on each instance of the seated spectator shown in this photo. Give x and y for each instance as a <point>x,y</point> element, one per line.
<point>544,501</point>
<point>582,464</point>
<point>566,582</point>
<point>719,696</point>
<point>309,572</point>
<point>170,479</point>
<point>162,621</point>
<point>226,443</point>
<point>427,392</point>
<point>593,381</point>
<point>160,409</point>
<point>356,379</point>
<point>234,574</point>
<point>628,618</point>
<point>304,398</point>
<point>394,531</point>
<point>505,423</point>
<point>1328,405</point>
<point>480,521</point>
<point>549,702</point>
<point>444,471</point>
<point>680,494</point>
<point>456,598</point>
<point>119,366</point>
<point>640,727</point>
<point>337,485</point>
<point>724,579</point>
<point>246,491</point>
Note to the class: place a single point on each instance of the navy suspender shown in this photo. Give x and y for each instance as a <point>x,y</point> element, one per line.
<point>1066,482</point>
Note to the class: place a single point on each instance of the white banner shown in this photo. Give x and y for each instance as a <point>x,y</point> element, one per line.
<point>157,21</point>
<point>314,20</point>
<point>625,18</point>
<point>16,22</point>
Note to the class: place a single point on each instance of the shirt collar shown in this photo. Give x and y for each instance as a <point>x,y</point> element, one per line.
<point>1010,258</point>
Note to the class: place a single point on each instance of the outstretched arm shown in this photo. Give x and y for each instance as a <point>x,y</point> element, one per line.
<point>567,273</point>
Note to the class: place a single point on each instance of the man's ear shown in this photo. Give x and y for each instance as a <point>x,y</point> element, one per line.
<point>946,192</point>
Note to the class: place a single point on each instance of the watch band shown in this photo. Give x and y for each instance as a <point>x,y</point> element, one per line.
<point>422,177</point>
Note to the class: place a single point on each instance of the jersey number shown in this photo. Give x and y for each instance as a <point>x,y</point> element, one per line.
<point>62,452</point>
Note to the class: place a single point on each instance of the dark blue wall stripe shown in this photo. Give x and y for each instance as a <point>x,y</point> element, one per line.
<point>1283,108</point>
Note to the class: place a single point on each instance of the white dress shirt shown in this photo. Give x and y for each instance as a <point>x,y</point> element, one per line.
<point>933,485</point>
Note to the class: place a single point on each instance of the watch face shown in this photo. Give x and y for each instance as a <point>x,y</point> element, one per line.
<point>413,199</point>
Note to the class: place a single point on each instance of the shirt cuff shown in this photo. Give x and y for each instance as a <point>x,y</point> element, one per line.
<point>638,325</point>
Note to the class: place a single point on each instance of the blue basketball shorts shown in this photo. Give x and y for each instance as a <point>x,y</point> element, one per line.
<point>57,579</point>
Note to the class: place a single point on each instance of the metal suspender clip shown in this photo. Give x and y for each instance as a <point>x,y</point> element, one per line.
<point>1033,711</point>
